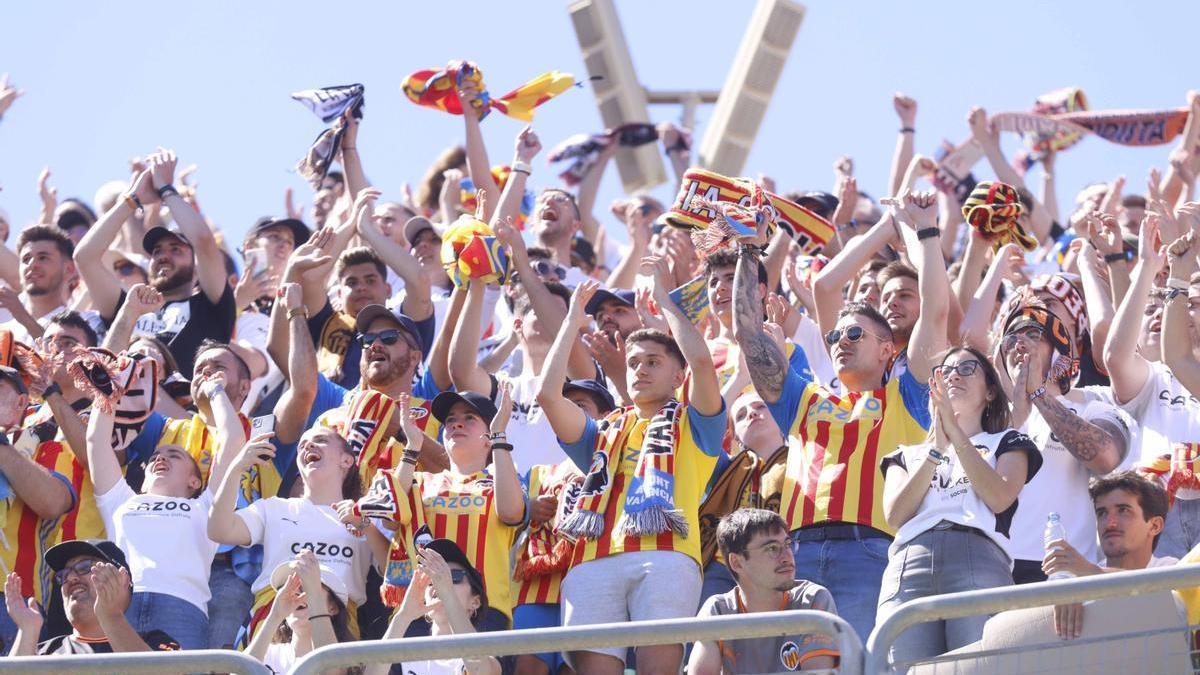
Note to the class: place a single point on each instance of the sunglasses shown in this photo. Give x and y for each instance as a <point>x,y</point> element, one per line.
<point>852,333</point>
<point>79,569</point>
<point>458,576</point>
<point>389,337</point>
<point>545,268</point>
<point>1029,333</point>
<point>964,369</point>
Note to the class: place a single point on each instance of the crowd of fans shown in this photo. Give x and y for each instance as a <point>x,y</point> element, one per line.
<point>329,431</point>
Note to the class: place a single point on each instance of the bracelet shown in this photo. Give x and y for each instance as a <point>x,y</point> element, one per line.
<point>1172,293</point>
<point>502,446</point>
<point>320,616</point>
<point>167,189</point>
<point>132,201</point>
<point>410,453</point>
<point>522,167</point>
<point>1041,391</point>
<point>497,436</point>
<point>297,311</point>
<point>1115,257</point>
<point>928,233</point>
<point>936,456</point>
<point>51,390</point>
<point>907,130</point>
<point>412,461</point>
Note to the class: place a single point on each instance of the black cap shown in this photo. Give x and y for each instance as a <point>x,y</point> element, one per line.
<point>105,550</point>
<point>155,234</point>
<point>595,388</point>
<point>603,295</point>
<point>451,553</point>
<point>584,249</point>
<point>416,225</point>
<point>300,231</point>
<point>822,203</point>
<point>443,402</point>
<point>367,315</point>
<point>12,375</point>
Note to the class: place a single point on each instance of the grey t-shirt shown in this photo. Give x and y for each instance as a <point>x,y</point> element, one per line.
<point>773,654</point>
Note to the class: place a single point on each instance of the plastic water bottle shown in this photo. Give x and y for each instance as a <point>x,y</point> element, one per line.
<point>1054,532</point>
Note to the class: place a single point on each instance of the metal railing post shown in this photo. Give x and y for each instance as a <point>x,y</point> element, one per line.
<point>630,634</point>
<point>992,600</point>
<point>150,663</point>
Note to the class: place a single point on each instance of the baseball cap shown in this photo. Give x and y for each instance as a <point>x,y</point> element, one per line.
<point>300,231</point>
<point>11,374</point>
<point>157,233</point>
<point>584,249</point>
<point>603,295</point>
<point>105,550</point>
<point>416,225</point>
<point>283,570</point>
<point>443,402</point>
<point>822,203</point>
<point>367,315</point>
<point>112,256</point>
<point>451,553</point>
<point>596,389</point>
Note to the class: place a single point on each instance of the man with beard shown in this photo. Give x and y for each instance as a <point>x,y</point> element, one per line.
<point>199,301</point>
<point>96,592</point>
<point>45,264</point>
<point>755,542</point>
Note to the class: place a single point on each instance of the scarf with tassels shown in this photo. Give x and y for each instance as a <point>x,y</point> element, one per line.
<point>541,549</point>
<point>650,498</point>
<point>1177,470</point>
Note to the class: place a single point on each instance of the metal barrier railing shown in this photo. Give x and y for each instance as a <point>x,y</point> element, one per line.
<point>993,600</point>
<point>630,634</point>
<point>150,663</point>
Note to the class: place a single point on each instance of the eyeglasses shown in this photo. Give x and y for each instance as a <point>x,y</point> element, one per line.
<point>1029,334</point>
<point>852,333</point>
<point>125,268</point>
<point>458,576</point>
<point>773,549</point>
<point>389,338</point>
<point>79,569</point>
<point>963,368</point>
<point>545,268</point>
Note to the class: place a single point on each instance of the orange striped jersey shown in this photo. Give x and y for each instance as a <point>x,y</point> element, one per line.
<point>461,508</point>
<point>381,453</point>
<point>697,446</point>
<point>26,536</point>
<point>542,556</point>
<point>835,444</point>
<point>1178,470</point>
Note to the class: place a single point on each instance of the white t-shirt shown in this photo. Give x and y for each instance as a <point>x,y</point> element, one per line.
<point>950,496</point>
<point>1062,484</point>
<point>529,430</point>
<point>165,540</point>
<point>453,666</point>
<point>1167,412</point>
<point>285,527</point>
<point>280,657</point>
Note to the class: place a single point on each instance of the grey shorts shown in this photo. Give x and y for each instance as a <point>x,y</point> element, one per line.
<point>634,586</point>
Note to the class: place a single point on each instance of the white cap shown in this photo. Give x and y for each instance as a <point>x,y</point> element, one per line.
<point>280,574</point>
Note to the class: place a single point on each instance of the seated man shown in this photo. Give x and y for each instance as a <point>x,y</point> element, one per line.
<point>755,543</point>
<point>94,579</point>
<point>1130,511</point>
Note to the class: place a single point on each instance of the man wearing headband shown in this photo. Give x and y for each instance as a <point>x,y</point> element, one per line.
<point>1080,434</point>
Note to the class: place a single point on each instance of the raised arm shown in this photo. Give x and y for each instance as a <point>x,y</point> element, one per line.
<point>674,141</point>
<point>589,187</point>
<point>465,372</point>
<point>509,206</point>
<point>102,284</point>
<point>356,179</point>
<point>101,460</point>
<point>439,356</point>
<point>975,261</point>
<point>1127,369</point>
<point>510,499</point>
<point>418,304</point>
<point>906,110</point>
<point>291,411</point>
<point>141,299</point>
<point>309,267</point>
<point>566,418</point>
<point>211,276</point>
<point>1049,195</point>
<point>224,526</point>
<point>827,287</point>
<point>704,390</point>
<point>766,362</point>
<point>477,158</point>
<point>636,219</point>
<point>989,138</point>
<point>1176,334</point>
<point>231,435</point>
<point>918,214</point>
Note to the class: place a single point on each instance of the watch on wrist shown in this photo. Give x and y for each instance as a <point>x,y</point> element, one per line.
<point>1041,391</point>
<point>927,233</point>
<point>522,167</point>
<point>167,189</point>
<point>51,390</point>
<point>1115,257</point>
<point>297,311</point>
<point>937,457</point>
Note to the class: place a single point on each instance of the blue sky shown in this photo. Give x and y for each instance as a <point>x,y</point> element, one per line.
<point>211,80</point>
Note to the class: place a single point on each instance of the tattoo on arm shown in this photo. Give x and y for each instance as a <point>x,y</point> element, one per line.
<point>768,366</point>
<point>1083,439</point>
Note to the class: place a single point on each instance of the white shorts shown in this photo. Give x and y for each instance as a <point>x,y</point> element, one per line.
<point>633,586</point>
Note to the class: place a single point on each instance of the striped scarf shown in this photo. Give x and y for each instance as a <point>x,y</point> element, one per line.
<point>541,549</point>
<point>1177,470</point>
<point>650,499</point>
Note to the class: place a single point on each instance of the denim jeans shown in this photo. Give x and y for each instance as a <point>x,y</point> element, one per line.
<point>174,616</point>
<point>229,606</point>
<point>1181,532</point>
<point>851,570</point>
<point>934,562</point>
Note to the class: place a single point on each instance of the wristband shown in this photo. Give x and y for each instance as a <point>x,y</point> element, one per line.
<point>1179,284</point>
<point>1041,391</point>
<point>497,436</point>
<point>216,389</point>
<point>132,201</point>
<point>408,460</point>
<point>936,456</point>
<point>502,446</point>
<point>297,311</point>
<point>522,167</point>
<point>320,616</point>
<point>1173,293</point>
<point>167,189</point>
<point>928,233</point>
<point>1115,257</point>
<point>51,390</point>
<point>907,130</point>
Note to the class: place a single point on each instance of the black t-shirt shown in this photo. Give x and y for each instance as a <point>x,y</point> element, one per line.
<point>70,644</point>
<point>184,324</point>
